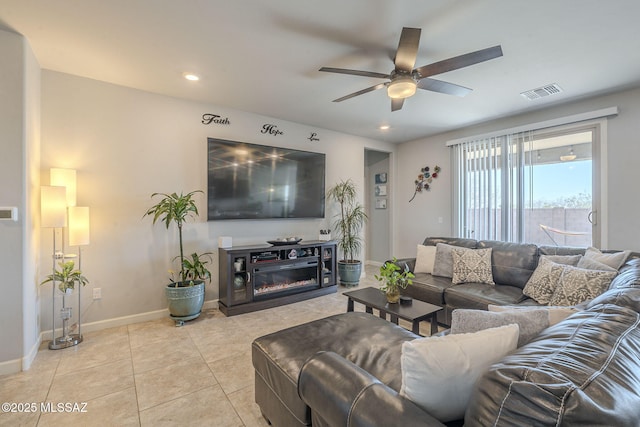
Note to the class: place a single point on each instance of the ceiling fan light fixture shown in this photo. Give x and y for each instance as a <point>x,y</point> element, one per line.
<point>568,157</point>
<point>402,87</point>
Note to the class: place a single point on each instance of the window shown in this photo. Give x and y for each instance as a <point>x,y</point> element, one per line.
<point>537,186</point>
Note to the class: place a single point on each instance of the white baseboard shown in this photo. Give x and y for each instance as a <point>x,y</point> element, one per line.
<point>126,320</point>
<point>16,365</point>
<point>10,367</point>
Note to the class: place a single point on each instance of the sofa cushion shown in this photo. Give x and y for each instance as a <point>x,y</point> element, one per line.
<point>428,288</point>
<point>582,371</point>
<point>629,276</point>
<point>531,322</point>
<point>438,373</point>
<point>513,263</point>
<point>454,241</point>
<point>425,258</point>
<point>472,265</point>
<point>577,285</point>
<point>478,296</point>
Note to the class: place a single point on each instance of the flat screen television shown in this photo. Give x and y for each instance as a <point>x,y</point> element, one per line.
<point>251,181</point>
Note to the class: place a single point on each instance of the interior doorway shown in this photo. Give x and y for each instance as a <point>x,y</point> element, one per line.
<point>377,199</point>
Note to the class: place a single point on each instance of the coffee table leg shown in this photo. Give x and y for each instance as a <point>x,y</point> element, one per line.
<point>368,309</point>
<point>394,319</point>
<point>434,324</point>
<point>349,305</point>
<point>415,327</point>
<point>382,314</point>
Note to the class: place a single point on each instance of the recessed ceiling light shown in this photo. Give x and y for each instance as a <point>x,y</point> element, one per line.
<point>384,127</point>
<point>191,76</point>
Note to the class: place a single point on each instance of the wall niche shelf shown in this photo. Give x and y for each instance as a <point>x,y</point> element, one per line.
<point>253,278</point>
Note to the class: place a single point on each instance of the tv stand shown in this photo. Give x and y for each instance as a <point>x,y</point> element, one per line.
<point>255,278</point>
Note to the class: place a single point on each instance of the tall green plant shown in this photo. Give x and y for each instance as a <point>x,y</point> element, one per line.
<point>350,220</point>
<point>174,208</point>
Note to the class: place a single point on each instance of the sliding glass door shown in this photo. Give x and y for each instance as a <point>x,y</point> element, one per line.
<point>537,186</point>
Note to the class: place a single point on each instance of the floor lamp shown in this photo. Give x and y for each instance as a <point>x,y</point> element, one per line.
<point>53,214</point>
<point>79,236</point>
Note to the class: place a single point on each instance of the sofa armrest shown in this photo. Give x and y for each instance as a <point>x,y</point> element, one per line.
<point>410,262</point>
<point>343,394</point>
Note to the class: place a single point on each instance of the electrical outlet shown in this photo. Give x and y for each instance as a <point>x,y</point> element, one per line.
<point>97,293</point>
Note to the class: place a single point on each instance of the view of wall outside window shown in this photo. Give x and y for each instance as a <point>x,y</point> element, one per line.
<point>558,190</point>
<point>533,187</point>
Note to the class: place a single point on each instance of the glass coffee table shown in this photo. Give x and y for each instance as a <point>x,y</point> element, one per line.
<point>414,312</point>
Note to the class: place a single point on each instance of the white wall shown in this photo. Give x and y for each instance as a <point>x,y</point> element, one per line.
<point>19,174</point>
<point>419,219</point>
<point>126,144</point>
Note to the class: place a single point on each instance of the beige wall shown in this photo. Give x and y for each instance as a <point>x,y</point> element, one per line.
<point>419,219</point>
<point>126,144</point>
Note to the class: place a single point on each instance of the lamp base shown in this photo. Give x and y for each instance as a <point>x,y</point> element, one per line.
<point>65,342</point>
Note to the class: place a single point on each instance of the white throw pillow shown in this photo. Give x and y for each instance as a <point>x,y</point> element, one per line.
<point>439,373</point>
<point>425,258</point>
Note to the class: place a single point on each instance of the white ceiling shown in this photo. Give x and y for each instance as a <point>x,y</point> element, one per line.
<point>263,56</point>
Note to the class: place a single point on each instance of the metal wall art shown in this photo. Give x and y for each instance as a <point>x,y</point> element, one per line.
<point>425,178</point>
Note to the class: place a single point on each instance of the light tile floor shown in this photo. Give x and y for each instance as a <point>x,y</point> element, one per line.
<point>155,374</point>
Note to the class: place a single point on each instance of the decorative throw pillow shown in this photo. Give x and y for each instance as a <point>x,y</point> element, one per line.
<point>577,285</point>
<point>590,264</point>
<point>425,258</point>
<point>439,373</point>
<point>472,266</point>
<point>613,260</point>
<point>555,314</point>
<point>443,265</point>
<point>542,283</point>
<point>531,322</point>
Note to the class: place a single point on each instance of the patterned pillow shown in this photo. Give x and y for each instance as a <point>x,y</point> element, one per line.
<point>542,283</point>
<point>472,265</point>
<point>577,285</point>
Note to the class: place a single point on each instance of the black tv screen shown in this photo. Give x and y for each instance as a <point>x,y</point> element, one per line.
<point>251,181</point>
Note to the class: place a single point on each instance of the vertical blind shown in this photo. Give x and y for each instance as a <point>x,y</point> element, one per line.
<point>488,179</point>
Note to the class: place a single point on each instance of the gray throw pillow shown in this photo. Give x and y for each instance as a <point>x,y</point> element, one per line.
<point>577,285</point>
<point>613,260</point>
<point>443,265</point>
<point>591,264</point>
<point>556,314</point>
<point>530,322</point>
<point>563,259</point>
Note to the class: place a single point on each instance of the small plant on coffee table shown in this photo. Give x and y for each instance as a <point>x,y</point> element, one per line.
<point>393,278</point>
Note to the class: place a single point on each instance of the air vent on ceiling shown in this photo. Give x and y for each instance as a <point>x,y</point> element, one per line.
<point>541,92</point>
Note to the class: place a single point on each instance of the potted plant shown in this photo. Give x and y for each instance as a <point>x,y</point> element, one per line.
<point>67,277</point>
<point>185,295</point>
<point>349,222</point>
<point>393,278</point>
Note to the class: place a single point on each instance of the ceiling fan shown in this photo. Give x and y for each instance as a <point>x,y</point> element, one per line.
<point>404,79</point>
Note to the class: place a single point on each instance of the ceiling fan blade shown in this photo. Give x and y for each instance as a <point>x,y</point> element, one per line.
<point>360,92</point>
<point>460,61</point>
<point>443,87</point>
<point>396,104</point>
<point>407,49</point>
<point>355,72</point>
